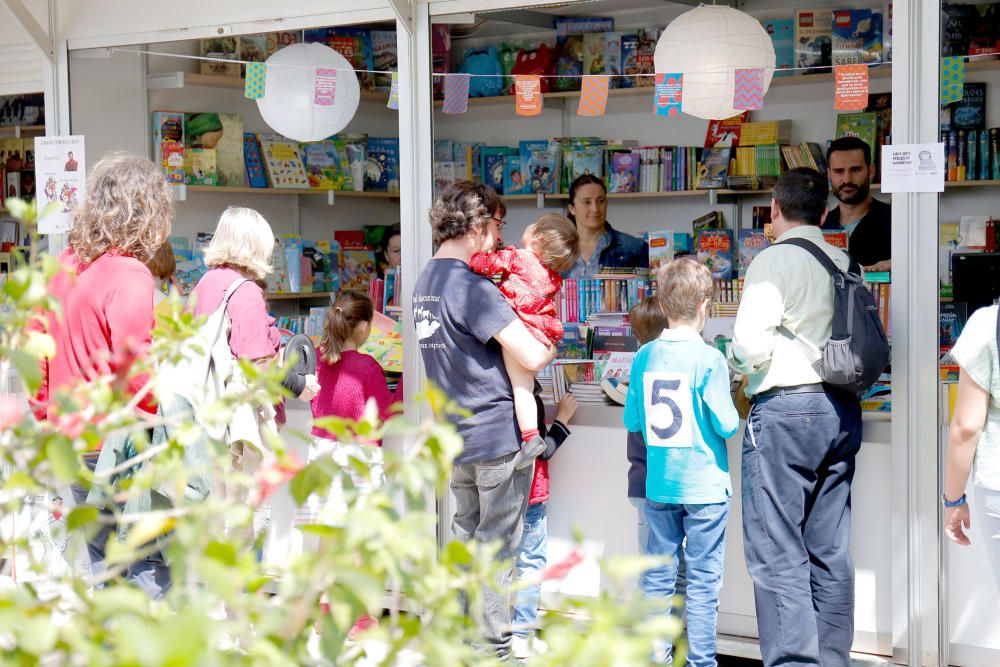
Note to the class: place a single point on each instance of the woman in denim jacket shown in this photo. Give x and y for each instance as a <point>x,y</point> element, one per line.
<point>601,245</point>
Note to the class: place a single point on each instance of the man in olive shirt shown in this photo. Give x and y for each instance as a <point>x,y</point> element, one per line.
<point>866,220</point>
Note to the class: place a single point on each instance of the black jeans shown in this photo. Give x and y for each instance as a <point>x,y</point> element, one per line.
<point>798,465</point>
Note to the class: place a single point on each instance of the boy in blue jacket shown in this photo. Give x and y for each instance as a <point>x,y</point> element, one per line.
<point>679,399</point>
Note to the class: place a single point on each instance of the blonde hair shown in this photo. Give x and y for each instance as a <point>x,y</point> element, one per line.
<point>559,242</point>
<point>682,286</point>
<point>244,241</point>
<point>348,311</point>
<point>163,264</point>
<point>128,207</point>
<point>647,319</point>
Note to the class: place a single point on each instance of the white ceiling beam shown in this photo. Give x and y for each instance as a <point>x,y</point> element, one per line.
<point>41,38</point>
<point>404,13</point>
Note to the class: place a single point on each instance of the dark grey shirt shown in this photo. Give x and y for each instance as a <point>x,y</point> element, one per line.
<point>457,313</point>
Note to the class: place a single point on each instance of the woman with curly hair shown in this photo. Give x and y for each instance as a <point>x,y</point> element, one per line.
<point>464,326</point>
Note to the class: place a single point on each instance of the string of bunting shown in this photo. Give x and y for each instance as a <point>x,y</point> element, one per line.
<point>851,84</point>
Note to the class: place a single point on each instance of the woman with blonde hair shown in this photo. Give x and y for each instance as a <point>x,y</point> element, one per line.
<point>106,294</point>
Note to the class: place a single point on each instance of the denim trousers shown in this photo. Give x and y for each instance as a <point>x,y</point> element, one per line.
<point>798,464</point>
<point>700,532</point>
<point>642,533</point>
<point>530,561</point>
<point>490,501</point>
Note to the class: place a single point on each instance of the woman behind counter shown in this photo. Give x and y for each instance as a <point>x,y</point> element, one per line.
<point>601,245</point>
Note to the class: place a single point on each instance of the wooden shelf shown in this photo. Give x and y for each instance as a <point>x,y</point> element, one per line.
<point>291,296</point>
<point>19,130</point>
<point>174,80</point>
<point>284,191</point>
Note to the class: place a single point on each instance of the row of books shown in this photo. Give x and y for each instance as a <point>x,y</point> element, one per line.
<point>579,298</point>
<point>17,168</point>
<point>209,148</point>
<point>972,155</point>
<point>24,109</point>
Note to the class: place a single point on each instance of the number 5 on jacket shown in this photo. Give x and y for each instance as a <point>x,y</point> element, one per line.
<point>668,407</point>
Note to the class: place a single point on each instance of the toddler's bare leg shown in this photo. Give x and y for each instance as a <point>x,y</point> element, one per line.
<point>523,382</point>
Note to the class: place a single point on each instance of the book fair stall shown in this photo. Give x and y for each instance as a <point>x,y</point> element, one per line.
<point>341,126</point>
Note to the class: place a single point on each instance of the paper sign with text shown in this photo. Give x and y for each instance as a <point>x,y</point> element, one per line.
<point>61,175</point>
<point>913,168</point>
<point>528,93</point>
<point>851,88</point>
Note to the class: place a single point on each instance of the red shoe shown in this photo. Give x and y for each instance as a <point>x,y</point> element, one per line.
<point>362,624</point>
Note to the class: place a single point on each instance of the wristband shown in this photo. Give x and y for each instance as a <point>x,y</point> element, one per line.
<point>952,503</point>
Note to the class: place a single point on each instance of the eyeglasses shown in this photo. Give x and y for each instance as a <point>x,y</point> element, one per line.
<point>501,223</point>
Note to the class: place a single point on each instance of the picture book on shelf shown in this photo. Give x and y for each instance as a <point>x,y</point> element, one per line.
<point>715,250</point>
<point>713,168</point>
<point>385,343</point>
<point>326,166</point>
<point>168,144</point>
<point>253,48</point>
<point>969,113</point>
<point>587,161</point>
<point>951,320</point>
<point>661,249</point>
<point>222,49</point>
<point>782,33</point>
<point>513,176</point>
<point>711,220</point>
<point>857,36</point>
<point>382,166</point>
<point>574,342</point>
<point>836,238</point>
<point>278,280</point>
<point>624,174</point>
<point>200,167</point>
<point>384,57</point>
<point>283,160</point>
<point>542,172</point>
<point>255,175</point>
<point>228,150</point>
<point>813,39</point>
<point>725,132</point>
<point>491,161</point>
<point>752,241</point>
<point>863,125</point>
<point>357,268</point>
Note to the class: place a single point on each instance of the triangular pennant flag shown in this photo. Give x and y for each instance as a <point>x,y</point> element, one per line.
<point>528,94</point>
<point>952,79</point>
<point>253,87</point>
<point>393,102</point>
<point>325,90</point>
<point>851,87</point>
<point>593,95</point>
<point>748,89</point>
<point>668,91</point>
<point>456,93</point>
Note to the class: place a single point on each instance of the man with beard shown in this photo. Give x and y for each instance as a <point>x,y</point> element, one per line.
<point>866,220</point>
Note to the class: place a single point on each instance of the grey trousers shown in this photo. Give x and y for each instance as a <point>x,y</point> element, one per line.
<point>490,499</point>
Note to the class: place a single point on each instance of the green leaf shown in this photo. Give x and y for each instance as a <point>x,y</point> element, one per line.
<point>223,552</point>
<point>148,529</point>
<point>27,366</point>
<point>81,516</point>
<point>459,553</point>
<point>311,478</point>
<point>59,452</point>
<point>38,635</point>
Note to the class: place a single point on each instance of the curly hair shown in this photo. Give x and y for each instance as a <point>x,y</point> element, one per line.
<point>128,207</point>
<point>463,207</point>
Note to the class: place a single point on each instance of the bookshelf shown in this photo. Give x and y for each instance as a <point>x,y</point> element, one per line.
<point>283,191</point>
<point>175,80</point>
<point>295,296</point>
<point>21,130</point>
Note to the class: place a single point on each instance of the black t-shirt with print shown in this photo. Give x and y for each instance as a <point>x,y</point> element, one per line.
<point>871,240</point>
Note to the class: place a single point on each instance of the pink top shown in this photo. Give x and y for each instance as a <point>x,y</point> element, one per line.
<point>252,334</point>
<point>107,320</point>
<point>347,385</point>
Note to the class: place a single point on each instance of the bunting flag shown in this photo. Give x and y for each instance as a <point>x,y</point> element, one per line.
<point>748,89</point>
<point>952,79</point>
<point>253,87</point>
<point>456,93</point>
<point>393,102</point>
<point>528,94</point>
<point>668,91</point>
<point>325,91</point>
<point>851,87</point>
<point>593,95</point>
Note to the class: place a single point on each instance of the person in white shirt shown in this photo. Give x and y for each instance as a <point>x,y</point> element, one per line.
<point>800,443</point>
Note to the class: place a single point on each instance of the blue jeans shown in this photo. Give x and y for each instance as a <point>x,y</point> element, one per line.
<point>700,532</point>
<point>798,465</point>
<point>530,561</point>
<point>680,584</point>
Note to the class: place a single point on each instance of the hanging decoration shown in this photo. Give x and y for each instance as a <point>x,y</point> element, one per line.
<point>528,94</point>
<point>289,93</point>
<point>593,95</point>
<point>850,87</point>
<point>707,45</point>
<point>748,89</point>
<point>393,102</point>
<point>952,79</point>
<point>456,93</point>
<point>668,91</point>
<point>325,92</point>
<point>253,87</point>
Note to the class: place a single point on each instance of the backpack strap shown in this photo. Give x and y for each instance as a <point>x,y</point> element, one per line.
<point>820,256</point>
<point>998,330</point>
<point>222,307</point>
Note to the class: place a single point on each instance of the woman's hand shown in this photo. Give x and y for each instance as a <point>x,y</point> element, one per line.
<point>566,409</point>
<point>955,520</point>
<point>312,388</point>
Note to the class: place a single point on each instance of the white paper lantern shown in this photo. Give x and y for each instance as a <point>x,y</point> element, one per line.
<point>707,45</point>
<point>289,93</point>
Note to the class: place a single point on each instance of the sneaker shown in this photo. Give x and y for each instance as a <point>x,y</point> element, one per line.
<point>528,453</point>
<point>527,647</point>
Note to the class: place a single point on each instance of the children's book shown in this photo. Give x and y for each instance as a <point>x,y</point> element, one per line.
<point>711,220</point>
<point>491,163</point>
<point>357,268</point>
<point>283,159</point>
<point>168,144</point>
<point>229,151</point>
<point>326,165</point>
<point>570,48</point>
<point>613,57</point>
<point>282,38</point>
<point>782,33</point>
<point>278,280</point>
<point>444,175</point>
<point>382,167</point>
<point>661,249</point>
<point>593,53</point>
<point>574,342</point>
<point>292,246</point>
<point>630,55</point>
<point>355,44</point>
<point>813,39</point>
<point>542,172</point>
<point>644,57</point>
<point>715,250</point>
<point>951,320</point>
<point>857,36</point>
<point>586,161</point>
<point>311,267</point>
<point>513,176</point>
<point>200,166</point>
<point>972,232</point>
<point>331,267</point>
<point>384,57</point>
<point>863,125</point>
<point>838,239</point>
<point>713,168</point>
<point>683,244</point>
<point>385,343</point>
<point>725,132</point>
<point>253,48</point>
<point>356,147</point>
<point>255,175</point>
<point>969,113</point>
<point>222,49</point>
<point>752,241</point>
<point>527,147</point>
<point>624,175</point>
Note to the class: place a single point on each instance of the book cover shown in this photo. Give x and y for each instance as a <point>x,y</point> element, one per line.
<point>969,113</point>
<point>529,146</point>
<point>782,33</point>
<point>570,32</point>
<point>725,132</point>
<point>586,161</point>
<point>542,172</point>
<point>644,57</point>
<point>491,164</point>
<point>630,54</point>
<point>312,267</point>
<point>711,220</point>
<point>857,36</point>
<point>254,173</point>
<point>357,268</point>
<point>355,44</point>
<point>283,160</point>
<point>382,165</point>
<point>613,57</point>
<point>221,49</point>
<point>863,125</point>
<point>574,342</point>
<point>253,48</point>
<point>951,320</point>
<point>200,167</point>
<point>384,57</point>
<point>326,166</point>
<point>444,175</point>
<point>972,232</point>
<point>513,176</point>
<point>836,238</point>
<point>385,343</point>
<point>661,249</point>
<point>593,53</point>
<point>683,244</point>
<point>713,167</point>
<point>229,150</point>
<point>356,147</point>
<point>752,242</point>
<point>280,39</point>
<point>624,174</point>
<point>278,280</point>
<point>760,216</point>
<point>292,246</point>
<point>331,265</point>
<point>715,250</point>
<point>168,144</point>
<point>813,39</point>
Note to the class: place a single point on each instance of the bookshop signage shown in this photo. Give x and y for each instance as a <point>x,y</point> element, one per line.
<point>61,174</point>
<point>913,168</point>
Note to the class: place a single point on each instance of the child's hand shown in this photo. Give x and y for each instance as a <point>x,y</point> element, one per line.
<point>311,389</point>
<point>566,409</point>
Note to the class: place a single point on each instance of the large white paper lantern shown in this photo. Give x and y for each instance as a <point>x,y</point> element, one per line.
<point>289,93</point>
<point>707,45</point>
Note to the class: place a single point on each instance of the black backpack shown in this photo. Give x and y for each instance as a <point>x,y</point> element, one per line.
<point>858,350</point>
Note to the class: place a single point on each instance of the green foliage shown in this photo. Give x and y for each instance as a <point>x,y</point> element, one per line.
<point>226,607</point>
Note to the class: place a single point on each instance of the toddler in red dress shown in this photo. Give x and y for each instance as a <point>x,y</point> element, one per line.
<point>530,281</point>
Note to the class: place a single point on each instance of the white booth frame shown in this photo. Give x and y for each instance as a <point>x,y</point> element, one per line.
<point>919,628</point>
